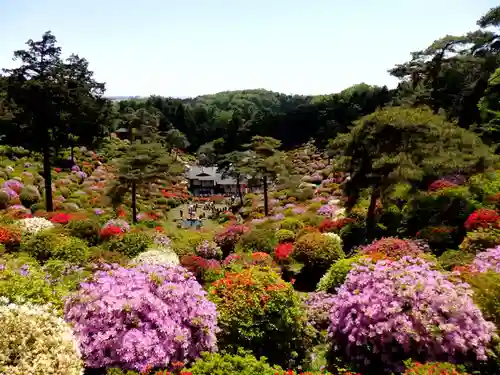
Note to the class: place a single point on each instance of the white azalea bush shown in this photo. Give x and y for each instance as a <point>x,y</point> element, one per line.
<point>158,257</point>
<point>32,225</point>
<point>33,340</point>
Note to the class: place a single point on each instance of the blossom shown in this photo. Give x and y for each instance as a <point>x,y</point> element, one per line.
<point>483,218</point>
<point>33,225</point>
<point>120,223</point>
<point>15,185</point>
<point>488,260</point>
<point>283,251</point>
<point>330,210</point>
<point>318,306</point>
<point>396,309</point>
<point>156,256</point>
<point>208,249</point>
<point>143,316</point>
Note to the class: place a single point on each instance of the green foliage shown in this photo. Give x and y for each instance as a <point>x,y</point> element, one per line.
<point>4,200</point>
<point>291,224</point>
<point>336,275</point>
<point>317,250</point>
<point>29,196</point>
<point>258,239</point>
<point>50,244</point>
<point>86,229</point>
<point>242,364</point>
<point>486,295</point>
<point>452,258</point>
<point>130,244</point>
<point>480,240</point>
<point>285,235</point>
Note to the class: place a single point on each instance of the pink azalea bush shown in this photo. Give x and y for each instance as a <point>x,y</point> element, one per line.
<point>149,315</point>
<point>120,223</point>
<point>390,311</point>
<point>488,260</point>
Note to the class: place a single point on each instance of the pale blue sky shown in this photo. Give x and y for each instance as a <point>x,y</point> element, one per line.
<point>194,47</point>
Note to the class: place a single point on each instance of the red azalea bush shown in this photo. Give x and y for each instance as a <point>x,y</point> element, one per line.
<point>110,231</point>
<point>440,185</point>
<point>283,251</point>
<point>483,218</point>
<point>329,225</point>
<point>203,269</point>
<point>227,239</point>
<point>61,218</point>
<point>10,237</point>
<point>392,248</point>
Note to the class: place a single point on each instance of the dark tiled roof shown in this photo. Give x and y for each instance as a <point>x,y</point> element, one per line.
<point>209,174</point>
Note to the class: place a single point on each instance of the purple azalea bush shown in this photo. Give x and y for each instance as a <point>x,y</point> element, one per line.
<point>391,311</point>
<point>488,260</point>
<point>208,249</point>
<point>149,315</point>
<point>317,306</point>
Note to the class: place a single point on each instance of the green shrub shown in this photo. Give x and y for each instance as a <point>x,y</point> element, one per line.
<point>285,235</point>
<point>486,295</point>
<point>452,258</point>
<point>131,244</point>
<point>23,279</point>
<point>29,196</point>
<point>243,364</point>
<point>311,219</point>
<point>4,200</point>
<point>173,203</point>
<point>86,229</point>
<point>101,255</point>
<point>291,224</point>
<point>317,250</point>
<point>261,239</point>
<point>184,241</point>
<point>480,239</point>
<point>336,275</point>
<point>50,244</point>
<point>261,313</point>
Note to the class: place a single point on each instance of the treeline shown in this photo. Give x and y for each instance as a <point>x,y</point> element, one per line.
<point>59,101</point>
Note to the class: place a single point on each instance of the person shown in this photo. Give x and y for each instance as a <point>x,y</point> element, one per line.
<point>182,213</point>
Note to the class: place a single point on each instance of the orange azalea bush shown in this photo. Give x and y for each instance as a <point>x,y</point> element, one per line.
<point>434,368</point>
<point>251,305</point>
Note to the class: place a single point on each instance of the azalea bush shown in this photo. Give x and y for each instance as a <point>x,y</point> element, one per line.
<point>258,239</point>
<point>394,310</point>
<point>434,368</point>
<point>392,248</point>
<point>208,249</point>
<point>318,251</point>
<point>483,218</point>
<point>486,286</point>
<point>480,239</point>
<point>131,244</point>
<point>34,225</point>
<point>262,313</point>
<point>158,257</point>
<point>86,229</point>
<point>143,316</point>
<point>318,306</point>
<point>228,237</point>
<point>205,270</point>
<point>488,260</point>
<point>33,340</point>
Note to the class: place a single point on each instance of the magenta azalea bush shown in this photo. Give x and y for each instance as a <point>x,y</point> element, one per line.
<point>488,260</point>
<point>390,311</point>
<point>145,316</point>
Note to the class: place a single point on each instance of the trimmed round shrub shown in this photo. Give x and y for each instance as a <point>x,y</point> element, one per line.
<point>228,364</point>
<point>317,250</point>
<point>285,235</point>
<point>87,230</point>
<point>143,316</point>
<point>35,341</point>
<point>262,313</point>
<point>29,196</point>
<point>99,255</point>
<point>258,240</point>
<point>130,244</point>
<point>394,310</point>
<point>391,248</point>
<point>49,244</point>
<point>156,257</point>
<point>336,275</point>
<point>291,224</point>
<point>4,200</point>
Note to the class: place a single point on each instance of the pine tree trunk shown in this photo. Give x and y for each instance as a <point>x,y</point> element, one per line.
<point>134,203</point>
<point>47,175</point>
<point>240,193</point>
<point>266,203</point>
<point>370,216</point>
